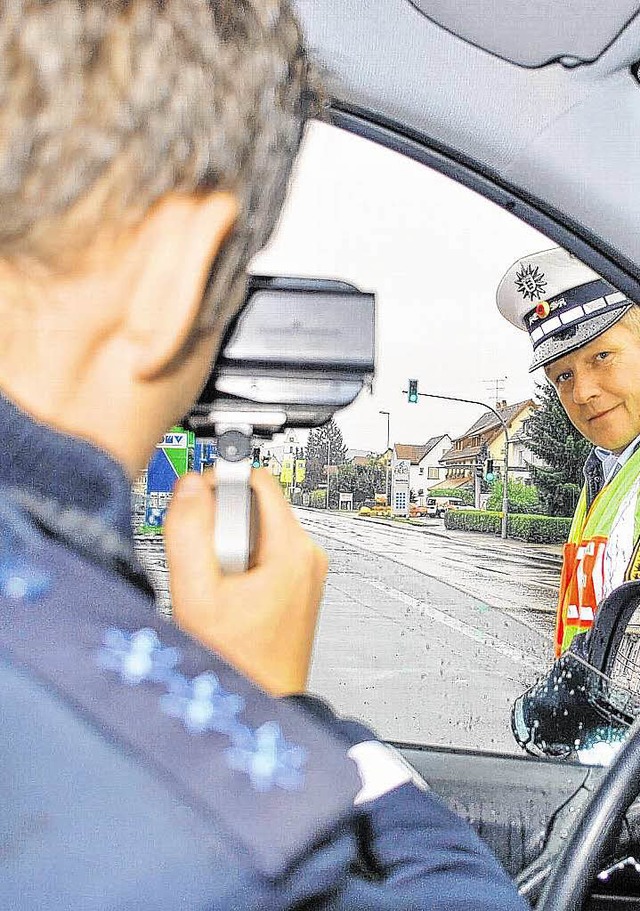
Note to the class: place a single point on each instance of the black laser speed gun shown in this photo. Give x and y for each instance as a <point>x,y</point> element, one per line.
<point>298,351</point>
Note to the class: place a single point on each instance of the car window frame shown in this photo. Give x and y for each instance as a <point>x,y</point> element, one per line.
<point>558,226</point>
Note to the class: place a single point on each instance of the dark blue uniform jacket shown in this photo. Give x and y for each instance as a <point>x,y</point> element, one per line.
<point>139,771</point>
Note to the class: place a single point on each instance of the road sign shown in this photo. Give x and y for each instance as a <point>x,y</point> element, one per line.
<point>205,455</point>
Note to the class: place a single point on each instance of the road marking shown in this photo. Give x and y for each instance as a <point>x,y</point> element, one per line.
<point>372,548</point>
<point>476,635</point>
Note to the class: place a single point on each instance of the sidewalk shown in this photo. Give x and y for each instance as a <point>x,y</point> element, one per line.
<point>551,552</point>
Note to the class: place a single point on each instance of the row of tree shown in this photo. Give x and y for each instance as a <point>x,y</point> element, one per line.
<point>549,435</point>
<point>326,447</point>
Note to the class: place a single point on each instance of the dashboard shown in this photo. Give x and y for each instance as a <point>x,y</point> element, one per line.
<point>524,809</point>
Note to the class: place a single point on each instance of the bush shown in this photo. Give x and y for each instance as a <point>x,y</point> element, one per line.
<point>533,529</point>
<point>384,512</point>
<point>539,529</point>
<point>463,493</point>
<point>522,498</point>
<point>318,499</point>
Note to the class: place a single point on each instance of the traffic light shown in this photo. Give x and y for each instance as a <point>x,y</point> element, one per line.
<point>479,467</point>
<point>489,472</point>
<point>255,457</point>
<point>413,391</point>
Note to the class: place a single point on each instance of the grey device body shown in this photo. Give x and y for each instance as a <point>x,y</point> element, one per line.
<point>299,350</point>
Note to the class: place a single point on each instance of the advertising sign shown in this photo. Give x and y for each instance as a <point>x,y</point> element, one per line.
<point>173,457</point>
<point>400,487</point>
<point>301,470</point>
<point>286,472</point>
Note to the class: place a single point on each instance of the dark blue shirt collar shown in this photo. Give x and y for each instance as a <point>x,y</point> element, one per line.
<point>73,472</point>
<point>594,474</point>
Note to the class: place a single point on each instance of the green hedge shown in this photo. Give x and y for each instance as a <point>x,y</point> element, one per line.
<point>463,493</point>
<point>534,529</point>
<point>318,499</point>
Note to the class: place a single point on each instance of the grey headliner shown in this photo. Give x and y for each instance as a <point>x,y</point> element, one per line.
<point>533,34</point>
<point>568,137</point>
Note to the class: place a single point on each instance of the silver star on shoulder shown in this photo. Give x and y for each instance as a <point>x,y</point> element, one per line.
<point>138,656</point>
<point>202,704</point>
<point>266,757</point>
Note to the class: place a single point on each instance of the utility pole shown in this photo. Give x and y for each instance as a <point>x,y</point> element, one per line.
<point>387,460</point>
<point>328,467</point>
<point>505,482</point>
<point>294,456</point>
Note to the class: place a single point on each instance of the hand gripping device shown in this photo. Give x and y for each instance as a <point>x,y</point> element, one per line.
<point>298,351</point>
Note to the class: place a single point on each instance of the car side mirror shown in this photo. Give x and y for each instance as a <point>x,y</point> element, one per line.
<point>577,709</point>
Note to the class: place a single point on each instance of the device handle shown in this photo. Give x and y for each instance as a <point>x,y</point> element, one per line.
<point>234,521</point>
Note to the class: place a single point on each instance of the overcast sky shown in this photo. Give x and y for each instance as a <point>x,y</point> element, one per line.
<point>433,252</point>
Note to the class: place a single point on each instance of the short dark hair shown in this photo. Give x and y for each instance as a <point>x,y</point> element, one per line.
<point>108,105</point>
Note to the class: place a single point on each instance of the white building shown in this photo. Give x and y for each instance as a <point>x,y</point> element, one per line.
<point>424,464</point>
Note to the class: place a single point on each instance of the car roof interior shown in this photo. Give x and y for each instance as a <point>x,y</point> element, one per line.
<point>524,102</point>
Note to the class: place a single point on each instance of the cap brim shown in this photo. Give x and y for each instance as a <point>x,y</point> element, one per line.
<point>555,347</point>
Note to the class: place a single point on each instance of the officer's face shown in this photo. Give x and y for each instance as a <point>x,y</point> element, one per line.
<point>599,387</point>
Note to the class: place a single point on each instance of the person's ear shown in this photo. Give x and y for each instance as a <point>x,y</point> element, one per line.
<point>172,253</point>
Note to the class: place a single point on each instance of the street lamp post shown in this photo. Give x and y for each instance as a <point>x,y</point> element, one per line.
<point>505,483</point>
<point>328,467</point>
<point>386,488</point>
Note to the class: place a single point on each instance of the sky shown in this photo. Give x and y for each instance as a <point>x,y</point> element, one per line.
<point>433,252</point>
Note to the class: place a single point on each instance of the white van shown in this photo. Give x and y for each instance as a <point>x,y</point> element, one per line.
<point>437,506</point>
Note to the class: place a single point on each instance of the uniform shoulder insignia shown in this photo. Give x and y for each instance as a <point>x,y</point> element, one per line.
<point>22,575</point>
<point>268,773</point>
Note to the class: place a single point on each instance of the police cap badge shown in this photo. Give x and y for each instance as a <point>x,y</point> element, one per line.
<point>561,303</point>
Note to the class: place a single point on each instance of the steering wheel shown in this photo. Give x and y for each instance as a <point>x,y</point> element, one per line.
<point>595,836</point>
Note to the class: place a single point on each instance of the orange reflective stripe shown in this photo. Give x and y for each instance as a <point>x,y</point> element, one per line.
<point>568,563</point>
<point>581,588</point>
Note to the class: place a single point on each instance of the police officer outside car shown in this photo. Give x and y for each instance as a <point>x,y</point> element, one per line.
<point>586,336</point>
<point>146,148</point>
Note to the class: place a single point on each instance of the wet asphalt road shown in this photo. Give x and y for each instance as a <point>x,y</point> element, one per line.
<point>431,636</point>
<point>426,635</point>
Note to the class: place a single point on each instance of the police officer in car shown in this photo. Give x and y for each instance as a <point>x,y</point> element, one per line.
<point>145,152</point>
<point>586,336</point>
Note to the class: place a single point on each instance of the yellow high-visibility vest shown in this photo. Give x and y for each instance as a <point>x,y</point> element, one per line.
<point>602,552</point>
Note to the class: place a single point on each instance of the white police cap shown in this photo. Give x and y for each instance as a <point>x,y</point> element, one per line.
<point>559,301</point>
